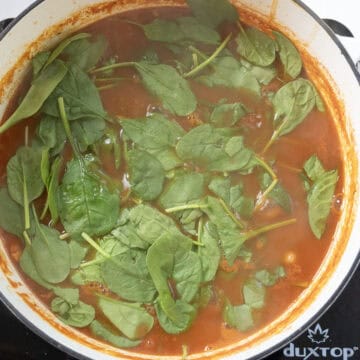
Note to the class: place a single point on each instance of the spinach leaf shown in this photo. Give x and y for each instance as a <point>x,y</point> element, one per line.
<point>227,114</point>
<point>77,253</point>
<point>254,294</point>
<point>233,195</point>
<point>24,168</point>
<point>81,97</point>
<point>85,52</point>
<point>101,331</point>
<point>70,295</point>
<point>292,104</point>
<point>184,189</point>
<point>213,12</point>
<point>209,253</point>
<point>289,55</point>
<point>41,89</point>
<point>52,134</point>
<point>12,214</point>
<point>263,74</point>
<point>87,275</point>
<point>164,82</point>
<point>172,258</point>
<point>127,275</point>
<point>63,44</point>
<point>278,194</point>
<point>320,194</point>
<point>28,267</point>
<point>51,255</point>
<point>227,229</point>
<point>79,315</point>
<point>268,278</point>
<point>130,318</point>
<point>84,203</point>
<point>174,316</point>
<point>38,62</point>
<point>146,174</point>
<point>239,317</point>
<point>181,30</point>
<point>256,47</point>
<point>216,150</point>
<point>229,72</point>
<point>157,135</point>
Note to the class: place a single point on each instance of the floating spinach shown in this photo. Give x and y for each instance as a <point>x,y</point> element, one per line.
<point>320,192</point>
<point>268,278</point>
<point>224,115</point>
<point>41,89</point>
<point>146,174</point>
<point>289,55</point>
<point>256,47</point>
<point>101,331</point>
<point>239,317</point>
<point>213,12</point>
<point>84,203</point>
<point>130,318</point>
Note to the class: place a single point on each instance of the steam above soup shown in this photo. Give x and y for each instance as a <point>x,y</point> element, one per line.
<point>168,178</point>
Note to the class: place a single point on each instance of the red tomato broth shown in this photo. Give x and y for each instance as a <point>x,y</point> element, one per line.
<point>130,99</point>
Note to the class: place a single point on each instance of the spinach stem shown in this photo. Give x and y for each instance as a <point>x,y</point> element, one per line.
<point>185,207</point>
<point>209,60</point>
<point>231,214</point>
<point>256,232</point>
<point>271,187</point>
<point>45,209</point>
<point>200,230</point>
<point>197,243</point>
<point>107,87</point>
<point>26,140</point>
<point>64,236</point>
<point>67,128</point>
<point>113,66</point>
<point>93,262</point>
<point>93,243</point>
<point>26,204</point>
<point>27,238</point>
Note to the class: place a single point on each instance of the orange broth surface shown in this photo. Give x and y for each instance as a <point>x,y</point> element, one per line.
<point>294,247</point>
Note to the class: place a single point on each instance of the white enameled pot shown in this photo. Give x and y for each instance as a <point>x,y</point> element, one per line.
<point>48,21</point>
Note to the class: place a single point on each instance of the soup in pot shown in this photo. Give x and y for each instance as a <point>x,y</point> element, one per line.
<point>171,179</point>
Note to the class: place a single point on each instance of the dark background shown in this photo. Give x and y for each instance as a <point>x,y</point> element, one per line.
<point>342,320</point>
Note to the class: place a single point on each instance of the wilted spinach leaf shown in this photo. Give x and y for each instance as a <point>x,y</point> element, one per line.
<point>213,12</point>
<point>130,318</point>
<point>239,317</point>
<point>101,331</point>
<point>164,82</point>
<point>289,55</point>
<point>228,72</point>
<point>320,194</point>
<point>263,74</point>
<point>256,47</point>
<point>209,253</point>
<point>278,194</point>
<point>41,89</point>
<point>268,278</point>
<point>227,114</point>
<point>146,174</point>
<point>84,203</point>
<point>81,97</point>
<point>216,149</point>
<point>254,294</point>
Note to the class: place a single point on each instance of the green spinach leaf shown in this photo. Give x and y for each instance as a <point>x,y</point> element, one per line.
<point>101,331</point>
<point>81,97</point>
<point>225,115</point>
<point>289,55</point>
<point>213,12</point>
<point>229,72</point>
<point>320,194</point>
<point>146,174</point>
<point>254,294</point>
<point>41,89</point>
<point>164,82</point>
<point>130,318</point>
<point>84,203</point>
<point>256,47</point>
<point>268,278</point>
<point>240,316</point>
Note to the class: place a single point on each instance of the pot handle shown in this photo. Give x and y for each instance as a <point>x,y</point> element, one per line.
<point>5,23</point>
<point>351,44</point>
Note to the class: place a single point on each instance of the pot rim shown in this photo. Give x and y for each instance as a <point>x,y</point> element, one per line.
<point>295,334</point>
